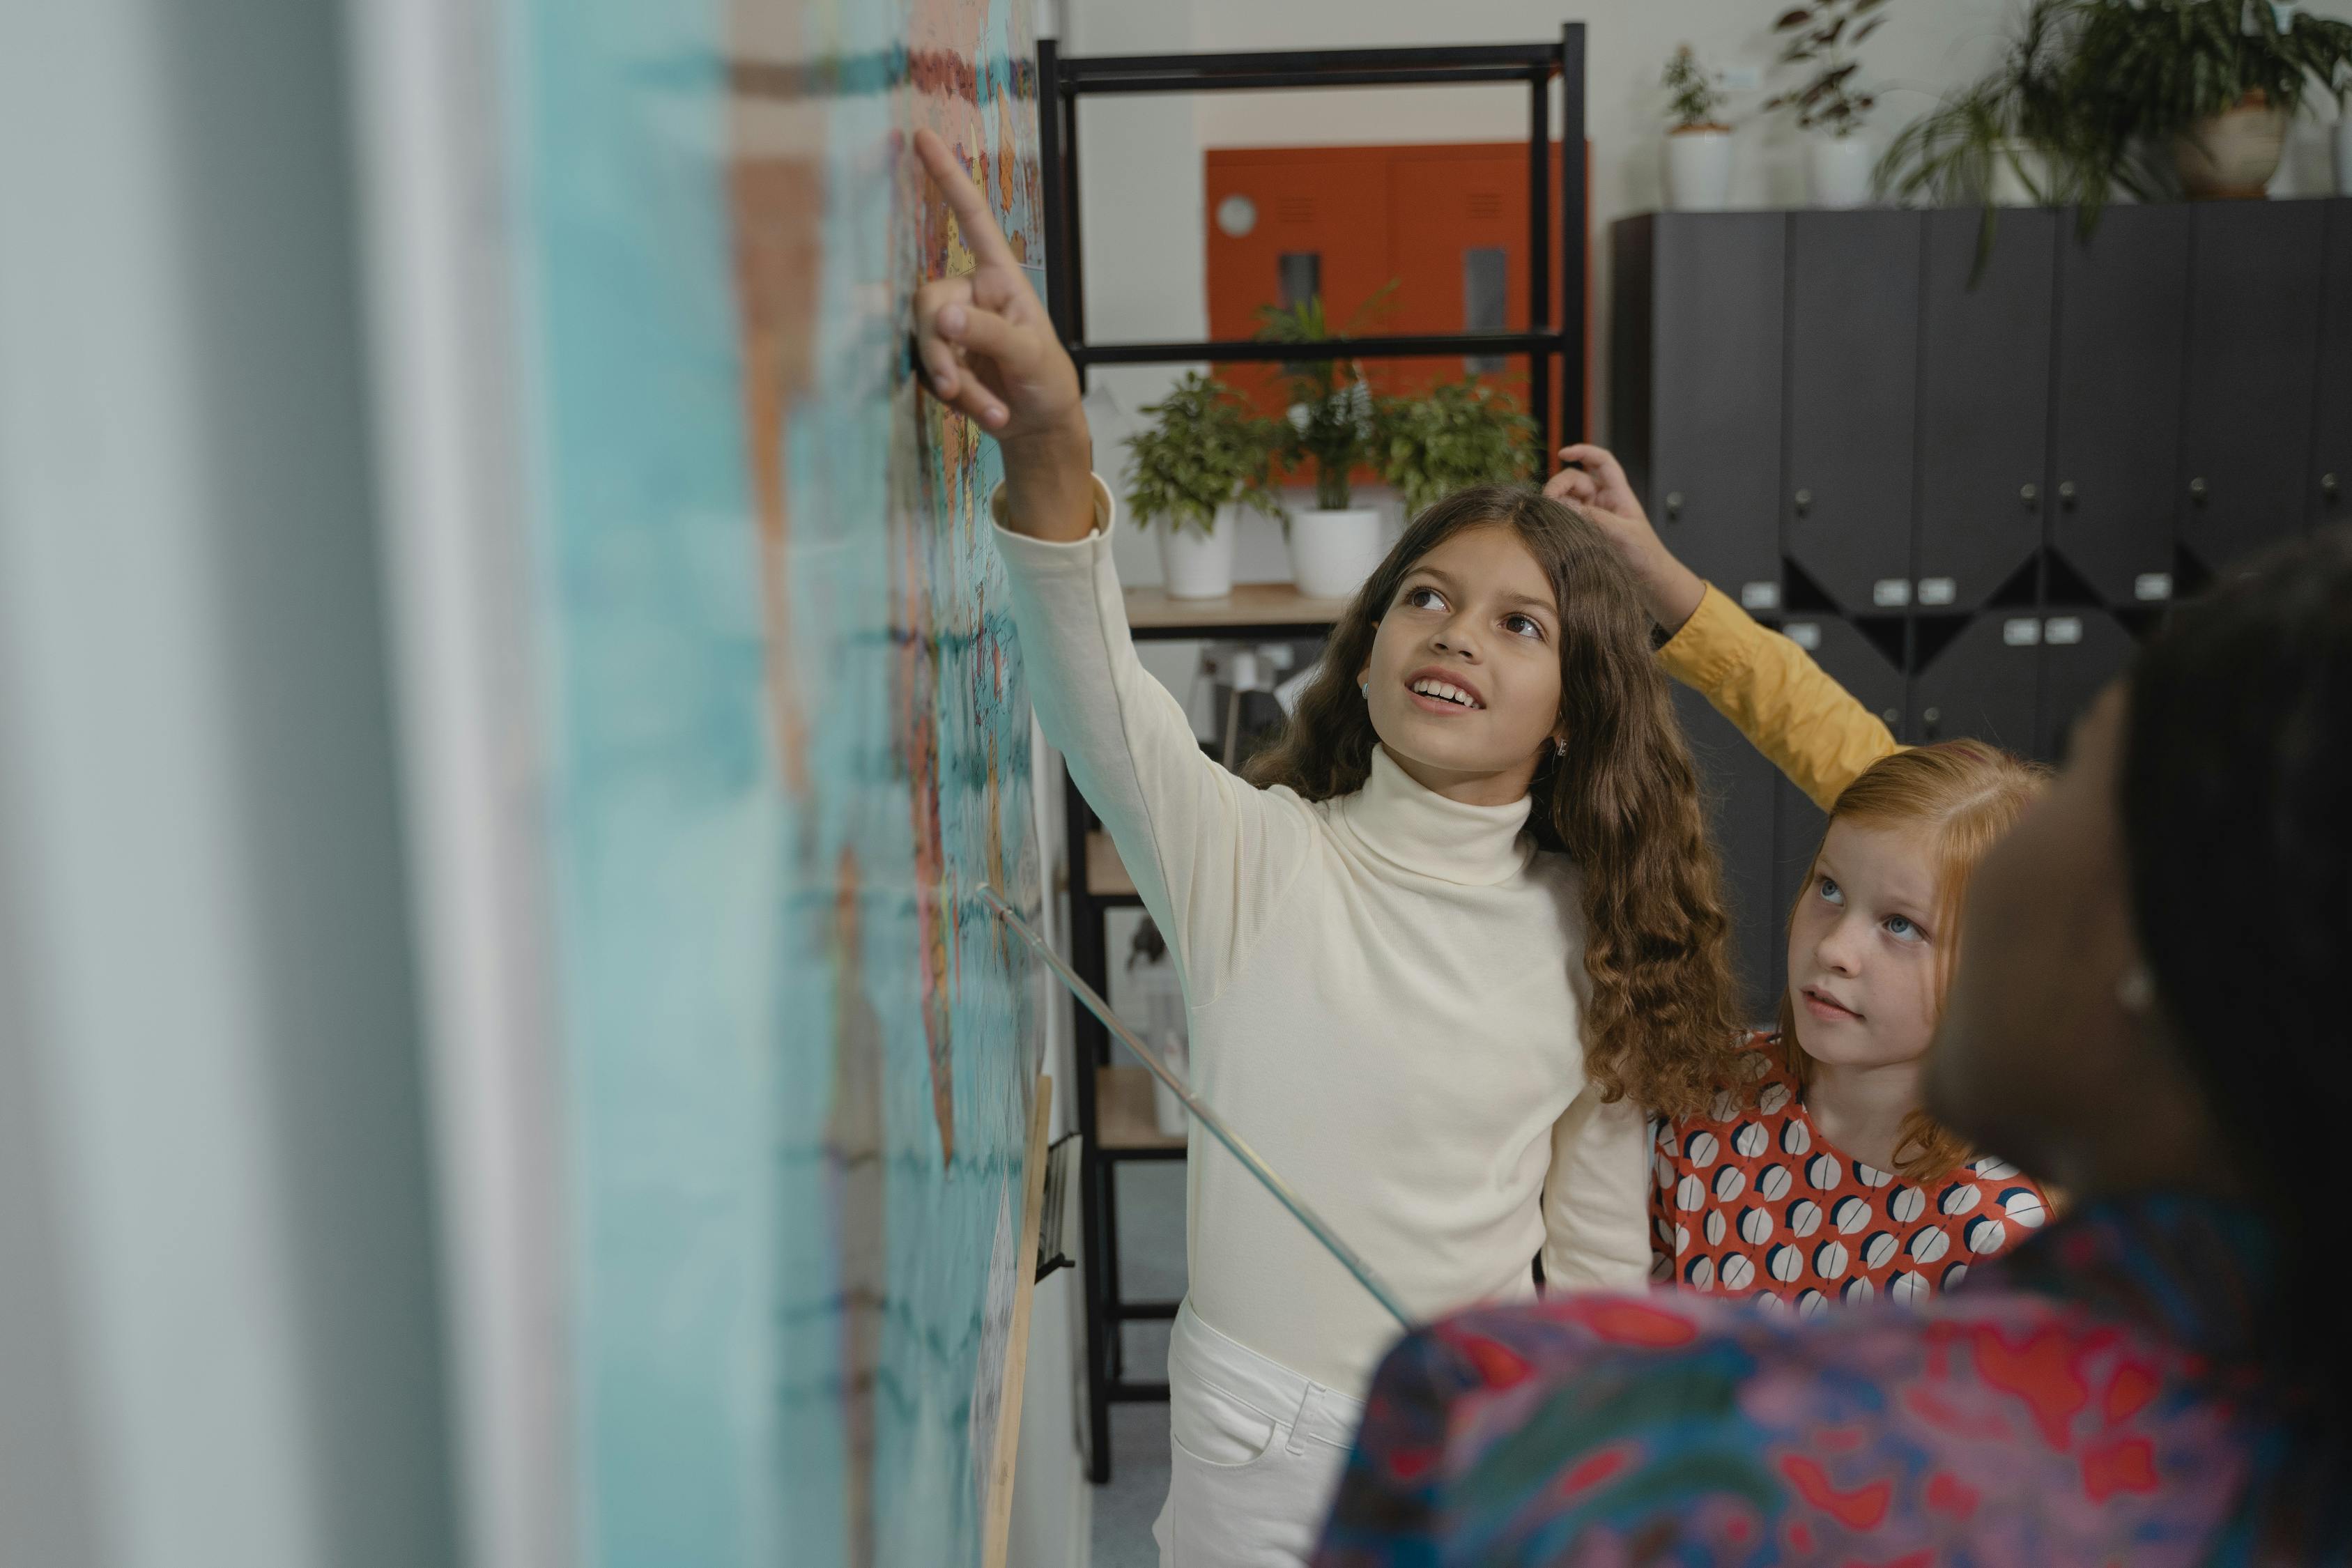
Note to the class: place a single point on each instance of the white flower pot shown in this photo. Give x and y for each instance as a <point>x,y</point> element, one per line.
<point>1837,171</point>
<point>2021,176</point>
<point>1197,566</point>
<point>2344,155</point>
<point>1698,168</point>
<point>2231,156</point>
<point>1331,552</point>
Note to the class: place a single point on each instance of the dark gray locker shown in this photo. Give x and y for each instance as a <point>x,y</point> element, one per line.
<point>1985,684</point>
<point>2115,420</point>
<point>2082,651</point>
<point>1853,661</point>
<point>1853,375</point>
<point>2331,447</point>
<point>1698,389</point>
<point>1984,402</point>
<point>1738,783</point>
<point>2253,363</point>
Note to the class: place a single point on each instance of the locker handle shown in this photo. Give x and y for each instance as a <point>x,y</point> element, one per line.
<point>2066,492</point>
<point>2029,494</point>
<point>1673,505</point>
<point>2329,485</point>
<point>1932,717</point>
<point>2196,490</point>
<point>1804,502</point>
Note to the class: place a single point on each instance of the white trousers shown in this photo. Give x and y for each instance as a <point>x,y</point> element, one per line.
<point>1256,1453</point>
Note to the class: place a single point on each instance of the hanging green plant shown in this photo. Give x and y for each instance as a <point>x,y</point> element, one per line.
<point>1456,434</point>
<point>1205,449</point>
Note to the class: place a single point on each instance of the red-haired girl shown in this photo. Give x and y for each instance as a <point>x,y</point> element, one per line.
<point>1817,1175</point>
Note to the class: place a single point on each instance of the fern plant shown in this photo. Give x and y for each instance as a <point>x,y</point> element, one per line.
<point>1204,450</point>
<point>1331,424</point>
<point>2144,71</point>
<point>1456,434</point>
<point>1952,155</point>
<point>1695,96</point>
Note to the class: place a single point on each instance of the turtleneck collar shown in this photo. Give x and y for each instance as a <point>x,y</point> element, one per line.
<point>1420,831</point>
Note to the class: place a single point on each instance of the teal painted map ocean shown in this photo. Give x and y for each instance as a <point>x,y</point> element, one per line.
<point>788,741</point>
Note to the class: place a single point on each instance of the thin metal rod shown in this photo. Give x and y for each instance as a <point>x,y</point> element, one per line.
<point>1080,73</point>
<point>1257,1167</point>
<point>1431,345</point>
<point>1575,235</point>
<point>1284,81</point>
<point>1539,262</point>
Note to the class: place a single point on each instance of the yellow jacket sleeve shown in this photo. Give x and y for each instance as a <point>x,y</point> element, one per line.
<point>1812,728</point>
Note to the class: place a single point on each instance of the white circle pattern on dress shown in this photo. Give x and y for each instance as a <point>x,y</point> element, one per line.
<point>1754,1202</point>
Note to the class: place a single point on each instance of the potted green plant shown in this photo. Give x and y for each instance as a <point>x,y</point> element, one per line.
<point>1335,544</point>
<point>2195,96</point>
<point>1830,105</point>
<point>1204,457</point>
<point>1456,434</point>
<point>2013,139</point>
<point>1698,146</point>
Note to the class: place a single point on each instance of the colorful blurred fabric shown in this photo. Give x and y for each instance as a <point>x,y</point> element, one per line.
<point>2090,1398</point>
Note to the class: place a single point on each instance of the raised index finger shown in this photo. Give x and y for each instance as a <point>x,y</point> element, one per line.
<point>971,208</point>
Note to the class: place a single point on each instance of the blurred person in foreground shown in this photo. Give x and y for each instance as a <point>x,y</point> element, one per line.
<point>2146,1012</point>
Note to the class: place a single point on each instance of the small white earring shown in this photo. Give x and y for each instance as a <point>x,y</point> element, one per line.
<point>1559,745</point>
<point>1364,689</point>
<point>2137,990</point>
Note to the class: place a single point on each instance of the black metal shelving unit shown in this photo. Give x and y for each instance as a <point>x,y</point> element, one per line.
<point>1556,240</point>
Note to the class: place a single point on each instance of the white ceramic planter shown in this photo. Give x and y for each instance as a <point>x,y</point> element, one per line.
<point>1698,168</point>
<point>1837,171</point>
<point>2021,176</point>
<point>1331,552</point>
<point>2231,156</point>
<point>1197,566</point>
<point>2344,155</point>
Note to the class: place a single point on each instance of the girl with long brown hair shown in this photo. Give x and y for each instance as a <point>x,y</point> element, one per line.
<point>1438,951</point>
<point>1817,1174</point>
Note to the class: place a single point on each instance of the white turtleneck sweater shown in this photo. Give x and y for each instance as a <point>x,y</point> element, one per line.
<point>1382,996</point>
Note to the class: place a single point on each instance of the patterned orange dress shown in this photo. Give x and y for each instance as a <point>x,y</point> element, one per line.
<point>1748,1199</point>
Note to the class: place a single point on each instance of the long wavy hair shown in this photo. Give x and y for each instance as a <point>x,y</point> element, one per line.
<point>1966,794</point>
<point>1661,1022</point>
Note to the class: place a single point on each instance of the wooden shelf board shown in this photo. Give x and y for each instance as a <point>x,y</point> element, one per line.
<point>1106,873</point>
<point>1123,1118</point>
<point>1249,604</point>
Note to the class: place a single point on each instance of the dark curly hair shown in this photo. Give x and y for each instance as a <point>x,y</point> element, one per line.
<point>1661,1022</point>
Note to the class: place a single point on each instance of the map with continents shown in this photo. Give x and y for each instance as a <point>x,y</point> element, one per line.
<point>788,741</point>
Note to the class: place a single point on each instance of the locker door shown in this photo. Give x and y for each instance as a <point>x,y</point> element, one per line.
<point>2254,357</point>
<point>2115,425</point>
<point>2331,464</point>
<point>1853,661</point>
<point>2082,651</point>
<point>1854,382</point>
<point>1738,782</point>
<point>1984,402</point>
<point>1715,397</point>
<point>1985,684</point>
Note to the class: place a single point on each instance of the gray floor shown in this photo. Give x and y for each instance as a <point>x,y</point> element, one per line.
<point>1151,1267</point>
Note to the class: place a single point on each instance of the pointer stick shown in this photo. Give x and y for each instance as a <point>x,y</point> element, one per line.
<point>1208,1119</point>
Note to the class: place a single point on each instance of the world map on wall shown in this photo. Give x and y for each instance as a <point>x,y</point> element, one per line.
<point>788,743</point>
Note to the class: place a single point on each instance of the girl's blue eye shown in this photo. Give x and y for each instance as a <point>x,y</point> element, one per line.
<point>1902,929</point>
<point>1832,891</point>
